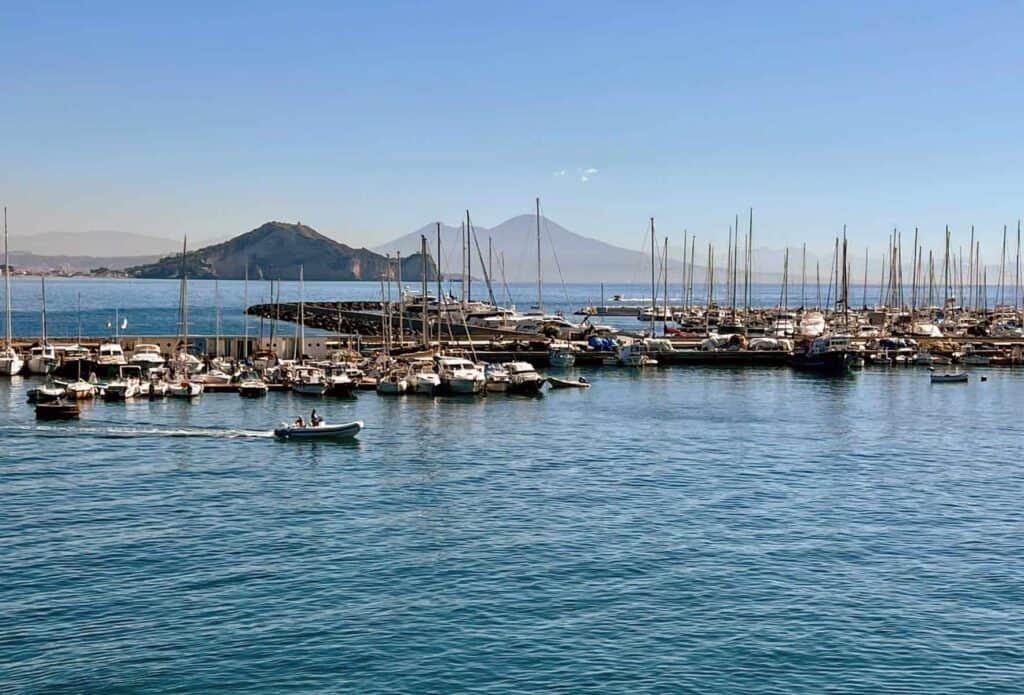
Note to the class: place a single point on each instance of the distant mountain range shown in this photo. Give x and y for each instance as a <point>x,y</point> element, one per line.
<point>277,250</point>
<point>96,244</point>
<point>565,255</point>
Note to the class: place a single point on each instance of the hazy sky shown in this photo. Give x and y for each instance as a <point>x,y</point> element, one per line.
<point>369,120</point>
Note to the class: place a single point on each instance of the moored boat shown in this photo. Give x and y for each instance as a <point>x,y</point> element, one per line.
<point>557,383</point>
<point>57,410</point>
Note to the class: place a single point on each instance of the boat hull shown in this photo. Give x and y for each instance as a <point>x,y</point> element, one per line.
<point>328,432</point>
<point>827,363</point>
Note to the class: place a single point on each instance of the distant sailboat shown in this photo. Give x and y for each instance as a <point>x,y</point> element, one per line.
<point>10,361</point>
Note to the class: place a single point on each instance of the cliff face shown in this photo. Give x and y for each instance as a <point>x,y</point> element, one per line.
<point>276,250</point>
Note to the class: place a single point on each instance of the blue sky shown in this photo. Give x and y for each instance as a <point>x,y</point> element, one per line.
<point>369,120</point>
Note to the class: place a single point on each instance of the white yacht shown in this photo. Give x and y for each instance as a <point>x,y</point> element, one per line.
<point>111,355</point>
<point>460,376</point>
<point>147,356</point>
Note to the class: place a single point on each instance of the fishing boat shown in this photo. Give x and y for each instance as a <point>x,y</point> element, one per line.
<point>57,410</point>
<point>10,361</point>
<point>523,378</point>
<point>321,431</point>
<point>826,355</point>
<point>557,383</point>
<point>949,378</point>
<point>252,386</point>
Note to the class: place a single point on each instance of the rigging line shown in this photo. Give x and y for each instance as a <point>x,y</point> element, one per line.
<point>558,266</point>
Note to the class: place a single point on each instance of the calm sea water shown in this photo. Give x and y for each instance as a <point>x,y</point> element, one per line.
<point>671,530</point>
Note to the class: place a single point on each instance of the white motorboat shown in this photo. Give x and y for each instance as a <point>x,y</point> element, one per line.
<point>523,378</point>
<point>393,383</point>
<point>459,376</point>
<point>111,355</point>
<point>158,388</point>
<point>251,386</point>
<point>635,355</point>
<point>308,381</point>
<point>147,356</point>
<point>125,386</point>
<point>321,431</point>
<point>497,378</point>
<point>213,377</point>
<point>183,388</point>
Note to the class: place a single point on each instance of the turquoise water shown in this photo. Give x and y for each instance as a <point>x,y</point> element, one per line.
<point>676,530</point>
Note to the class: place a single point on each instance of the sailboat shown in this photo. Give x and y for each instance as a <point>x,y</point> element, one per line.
<point>10,361</point>
<point>180,386</point>
<point>42,358</point>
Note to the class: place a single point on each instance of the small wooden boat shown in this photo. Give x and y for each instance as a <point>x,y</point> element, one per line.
<point>321,431</point>
<point>57,410</point>
<point>954,378</point>
<point>557,383</point>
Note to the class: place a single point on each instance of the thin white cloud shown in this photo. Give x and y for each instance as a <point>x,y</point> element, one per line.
<point>589,172</point>
<point>586,174</point>
<point>560,172</point>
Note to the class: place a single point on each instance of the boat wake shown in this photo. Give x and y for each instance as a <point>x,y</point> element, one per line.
<point>132,432</point>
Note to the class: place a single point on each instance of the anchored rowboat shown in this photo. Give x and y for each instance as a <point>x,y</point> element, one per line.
<point>324,431</point>
<point>955,378</point>
<point>557,383</point>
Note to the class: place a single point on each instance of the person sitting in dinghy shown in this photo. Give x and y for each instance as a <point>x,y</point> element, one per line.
<point>314,419</point>
<point>299,422</point>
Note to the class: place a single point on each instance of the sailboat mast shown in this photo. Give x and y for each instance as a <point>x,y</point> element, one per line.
<point>216,317</point>
<point>401,300</point>
<point>424,323</point>
<point>664,263</point>
<point>440,302</point>
<point>540,294</point>
<point>302,313</point>
<point>469,258</point>
<point>735,270</point>
<point>245,313</point>
<point>7,286</point>
<point>43,279</point>
<point>654,291</point>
